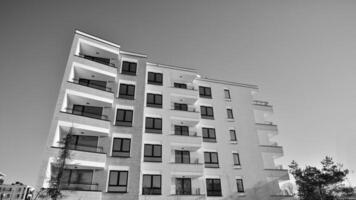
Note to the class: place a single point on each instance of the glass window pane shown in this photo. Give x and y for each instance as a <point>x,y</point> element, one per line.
<point>120,115</point>
<point>203,110</point>
<point>149,122</point>
<point>157,150</point>
<point>128,116</point>
<point>131,90</point>
<point>123,178</point>
<point>205,133</point>
<point>126,145</point>
<point>156,181</point>
<point>146,181</point>
<point>159,77</point>
<point>150,98</point>
<point>214,157</point>
<point>207,157</point>
<point>159,99</point>
<point>113,177</point>
<point>209,111</point>
<point>158,123</point>
<point>148,150</point>
<point>151,76</point>
<point>117,144</point>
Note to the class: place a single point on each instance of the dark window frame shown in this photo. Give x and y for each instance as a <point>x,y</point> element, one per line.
<point>124,122</point>
<point>211,163</point>
<point>84,113</point>
<point>118,181</point>
<point>237,161</point>
<point>124,153</point>
<point>240,189</point>
<point>205,92</point>
<point>204,112</point>
<point>233,136</point>
<point>181,130</point>
<point>184,190</point>
<point>155,77</point>
<point>152,157</point>
<point>229,113</point>
<point>183,156</point>
<point>211,134</point>
<point>227,94</point>
<point>180,85</point>
<point>124,91</point>
<point>130,69</point>
<point>93,84</point>
<point>216,187</point>
<point>155,102</point>
<point>153,129</point>
<point>181,106</point>
<point>151,190</point>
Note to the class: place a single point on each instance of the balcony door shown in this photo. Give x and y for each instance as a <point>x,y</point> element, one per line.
<point>77,179</point>
<point>84,143</point>
<point>88,111</point>
<point>183,186</point>
<point>182,157</point>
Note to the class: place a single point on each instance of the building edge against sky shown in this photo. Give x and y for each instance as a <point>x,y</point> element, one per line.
<point>141,130</point>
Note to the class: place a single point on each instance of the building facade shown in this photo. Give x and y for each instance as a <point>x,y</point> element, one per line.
<point>140,130</point>
<point>16,191</point>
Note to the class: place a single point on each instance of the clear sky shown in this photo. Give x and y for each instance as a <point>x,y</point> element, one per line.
<point>302,54</point>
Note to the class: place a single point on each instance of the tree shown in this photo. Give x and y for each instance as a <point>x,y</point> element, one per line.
<point>321,184</point>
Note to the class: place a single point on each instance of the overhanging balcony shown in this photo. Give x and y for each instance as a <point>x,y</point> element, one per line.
<point>190,91</point>
<point>75,194</point>
<point>277,173</point>
<point>262,106</point>
<point>267,126</point>
<point>272,148</point>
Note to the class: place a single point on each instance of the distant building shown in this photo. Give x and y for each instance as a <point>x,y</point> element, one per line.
<point>16,191</point>
<point>2,178</point>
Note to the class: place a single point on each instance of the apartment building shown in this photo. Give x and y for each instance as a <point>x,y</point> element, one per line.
<point>141,130</point>
<point>16,191</point>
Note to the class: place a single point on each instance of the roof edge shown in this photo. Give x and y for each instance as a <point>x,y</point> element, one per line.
<point>96,38</point>
<point>173,67</point>
<point>229,83</point>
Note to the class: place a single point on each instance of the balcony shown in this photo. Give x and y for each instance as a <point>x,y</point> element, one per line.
<point>84,159</point>
<point>262,106</point>
<point>97,54</point>
<point>80,186</point>
<point>277,173</point>
<point>91,84</point>
<point>182,142</point>
<point>189,91</point>
<point>194,169</point>
<point>86,114</point>
<point>267,126</point>
<point>272,148</point>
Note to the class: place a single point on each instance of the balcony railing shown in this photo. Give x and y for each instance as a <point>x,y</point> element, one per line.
<point>87,148</point>
<point>187,88</point>
<point>104,61</point>
<point>191,162</point>
<point>86,114</point>
<point>91,85</point>
<point>80,186</point>
<point>189,109</point>
<point>184,133</point>
<point>261,103</point>
<point>193,191</point>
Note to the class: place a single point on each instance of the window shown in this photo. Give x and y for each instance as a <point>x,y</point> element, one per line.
<point>81,179</point>
<point>182,157</point>
<point>240,185</point>
<point>101,85</point>
<point>227,94</point>
<point>88,111</point>
<point>181,130</point>
<point>183,186</point>
<point>154,100</point>
<point>206,112</point>
<point>153,125</point>
<point>236,158</point>
<point>229,114</point>
<point>84,143</point>
<point>233,135</point>
<point>121,147</point>
<point>213,187</point>
<point>127,91</point>
<point>209,135</point>
<point>181,106</point>
<point>151,184</point>
<point>211,159</point>
<point>205,92</point>
<point>180,85</point>
<point>155,78</point>
<point>118,181</point>
<point>124,117</point>
<point>129,68</point>
<point>153,153</point>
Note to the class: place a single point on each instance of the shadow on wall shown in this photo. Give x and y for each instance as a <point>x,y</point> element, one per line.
<point>261,191</point>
